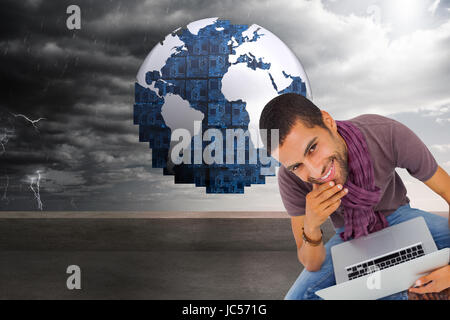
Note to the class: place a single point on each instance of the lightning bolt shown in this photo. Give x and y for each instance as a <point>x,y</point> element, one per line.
<point>5,138</point>
<point>29,120</point>
<point>4,198</point>
<point>34,180</point>
<point>3,141</point>
<point>36,193</point>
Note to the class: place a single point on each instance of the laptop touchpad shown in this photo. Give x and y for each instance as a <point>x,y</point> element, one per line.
<point>377,244</point>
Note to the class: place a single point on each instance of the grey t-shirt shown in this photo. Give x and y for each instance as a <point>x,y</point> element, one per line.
<point>391,145</point>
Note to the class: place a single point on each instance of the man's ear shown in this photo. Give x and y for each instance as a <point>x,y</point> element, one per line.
<point>328,120</point>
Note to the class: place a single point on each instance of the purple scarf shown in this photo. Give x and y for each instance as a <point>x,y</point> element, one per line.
<point>363,195</point>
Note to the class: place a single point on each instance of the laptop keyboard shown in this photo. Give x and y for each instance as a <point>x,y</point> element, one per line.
<point>386,261</point>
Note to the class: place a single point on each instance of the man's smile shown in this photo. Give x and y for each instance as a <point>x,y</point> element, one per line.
<point>330,173</point>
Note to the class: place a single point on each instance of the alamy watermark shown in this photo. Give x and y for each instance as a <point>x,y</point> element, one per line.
<point>74,20</point>
<point>374,280</point>
<point>213,153</point>
<point>375,12</point>
<point>74,280</point>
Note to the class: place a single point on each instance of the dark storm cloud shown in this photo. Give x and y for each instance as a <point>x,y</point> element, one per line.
<point>81,82</point>
<point>59,68</point>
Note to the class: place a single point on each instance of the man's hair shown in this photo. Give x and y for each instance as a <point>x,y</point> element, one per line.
<point>283,112</point>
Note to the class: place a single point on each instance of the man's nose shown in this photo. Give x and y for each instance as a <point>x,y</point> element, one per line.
<point>314,170</point>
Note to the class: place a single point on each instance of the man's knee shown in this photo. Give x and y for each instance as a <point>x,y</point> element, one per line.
<point>309,282</point>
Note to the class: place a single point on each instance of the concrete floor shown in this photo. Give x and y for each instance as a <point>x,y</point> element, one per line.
<point>148,258</point>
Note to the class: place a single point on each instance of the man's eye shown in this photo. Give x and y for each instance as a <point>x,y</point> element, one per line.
<point>313,147</point>
<point>294,168</point>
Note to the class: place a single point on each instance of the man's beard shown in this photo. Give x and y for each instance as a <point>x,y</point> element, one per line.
<point>343,165</point>
<point>340,157</point>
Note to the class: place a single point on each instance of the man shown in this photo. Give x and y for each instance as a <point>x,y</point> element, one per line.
<point>360,196</point>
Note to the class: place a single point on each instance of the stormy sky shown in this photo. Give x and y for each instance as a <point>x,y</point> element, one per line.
<point>386,57</point>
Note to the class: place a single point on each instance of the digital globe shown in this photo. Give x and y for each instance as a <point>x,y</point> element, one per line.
<point>198,98</point>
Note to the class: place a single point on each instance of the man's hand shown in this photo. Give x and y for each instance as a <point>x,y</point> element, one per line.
<point>436,281</point>
<point>321,202</point>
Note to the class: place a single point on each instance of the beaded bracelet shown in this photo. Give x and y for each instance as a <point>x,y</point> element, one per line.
<point>314,243</point>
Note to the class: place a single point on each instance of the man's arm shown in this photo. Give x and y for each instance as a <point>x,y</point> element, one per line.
<point>321,202</point>
<point>311,257</point>
<point>440,280</point>
<point>440,183</point>
<point>413,155</point>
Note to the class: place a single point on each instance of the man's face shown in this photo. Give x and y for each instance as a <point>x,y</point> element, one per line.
<point>315,155</point>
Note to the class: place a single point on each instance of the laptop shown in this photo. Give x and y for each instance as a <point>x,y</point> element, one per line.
<point>384,262</point>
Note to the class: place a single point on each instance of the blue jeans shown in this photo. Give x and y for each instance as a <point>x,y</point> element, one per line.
<point>308,282</point>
